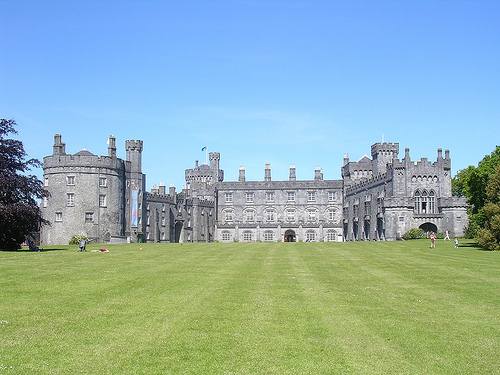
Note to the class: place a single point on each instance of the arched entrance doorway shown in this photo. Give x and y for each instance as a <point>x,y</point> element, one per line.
<point>428,227</point>
<point>178,231</point>
<point>380,228</point>
<point>290,236</point>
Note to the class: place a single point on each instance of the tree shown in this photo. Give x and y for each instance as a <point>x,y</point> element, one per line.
<point>20,213</point>
<point>471,183</point>
<point>489,236</point>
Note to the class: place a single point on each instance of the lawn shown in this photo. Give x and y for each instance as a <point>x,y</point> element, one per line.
<point>251,308</point>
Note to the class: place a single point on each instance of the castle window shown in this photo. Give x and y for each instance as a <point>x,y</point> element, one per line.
<point>425,202</point>
<point>44,201</point>
<point>291,196</point>
<point>368,208</point>
<point>70,199</point>
<point>331,196</point>
<point>270,197</point>
<point>163,208</point>
<point>250,216</point>
<point>102,200</point>
<point>331,236</point>
<point>311,215</point>
<point>162,235</point>
<point>103,181</point>
<point>229,215</point>
<point>229,197</point>
<point>249,197</point>
<point>331,215</point>
<point>58,216</point>
<point>310,236</point>
<point>89,217</point>
<point>46,181</point>
<point>290,215</point>
<point>311,196</point>
<point>163,221</point>
<point>226,236</point>
<point>70,180</point>
<point>247,236</point>
<point>268,236</point>
<point>270,216</point>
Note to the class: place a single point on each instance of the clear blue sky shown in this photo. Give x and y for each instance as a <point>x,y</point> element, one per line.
<point>279,82</point>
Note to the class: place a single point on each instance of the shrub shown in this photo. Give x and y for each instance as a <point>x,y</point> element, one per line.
<point>75,240</point>
<point>413,234</point>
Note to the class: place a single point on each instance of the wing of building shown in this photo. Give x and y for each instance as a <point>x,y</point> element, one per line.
<point>378,198</point>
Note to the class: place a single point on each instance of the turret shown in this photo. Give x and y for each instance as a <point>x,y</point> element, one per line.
<point>382,155</point>
<point>134,154</point>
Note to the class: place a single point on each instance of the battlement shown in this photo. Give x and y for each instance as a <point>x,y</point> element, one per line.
<point>367,183</point>
<point>385,148</point>
<point>134,145</point>
<point>82,160</point>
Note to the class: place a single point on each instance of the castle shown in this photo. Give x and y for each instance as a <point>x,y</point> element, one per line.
<point>378,198</point>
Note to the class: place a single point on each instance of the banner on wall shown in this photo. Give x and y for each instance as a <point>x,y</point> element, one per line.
<point>134,216</point>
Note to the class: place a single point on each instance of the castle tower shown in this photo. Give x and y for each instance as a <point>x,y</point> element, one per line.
<point>382,155</point>
<point>214,166</point>
<point>86,195</point>
<point>135,188</point>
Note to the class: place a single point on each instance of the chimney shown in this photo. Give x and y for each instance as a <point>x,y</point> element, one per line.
<point>440,153</point>
<point>59,147</point>
<point>161,188</point>
<point>446,154</point>
<point>112,146</point>
<point>293,177</point>
<point>346,159</point>
<point>241,178</point>
<point>196,163</point>
<point>171,190</point>
<point>318,173</point>
<point>267,175</point>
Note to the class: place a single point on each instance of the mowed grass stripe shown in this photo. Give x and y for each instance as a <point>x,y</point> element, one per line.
<point>281,308</point>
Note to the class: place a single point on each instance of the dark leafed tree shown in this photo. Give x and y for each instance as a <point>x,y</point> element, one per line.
<point>20,214</point>
<point>489,235</point>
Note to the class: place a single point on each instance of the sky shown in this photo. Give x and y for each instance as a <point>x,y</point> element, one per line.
<point>279,82</point>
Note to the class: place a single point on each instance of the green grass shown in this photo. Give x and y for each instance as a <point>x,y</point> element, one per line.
<point>257,308</point>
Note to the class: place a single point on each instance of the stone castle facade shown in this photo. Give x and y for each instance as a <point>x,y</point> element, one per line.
<point>378,198</point>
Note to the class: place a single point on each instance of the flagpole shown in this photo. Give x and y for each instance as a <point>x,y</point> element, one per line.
<point>206,155</point>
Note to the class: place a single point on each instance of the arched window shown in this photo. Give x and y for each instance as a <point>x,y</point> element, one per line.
<point>331,236</point>
<point>425,202</point>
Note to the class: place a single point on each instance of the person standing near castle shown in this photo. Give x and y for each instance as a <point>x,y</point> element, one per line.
<point>456,243</point>
<point>433,239</point>
<point>447,237</point>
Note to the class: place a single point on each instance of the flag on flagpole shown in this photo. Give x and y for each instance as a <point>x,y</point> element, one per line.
<point>204,148</point>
